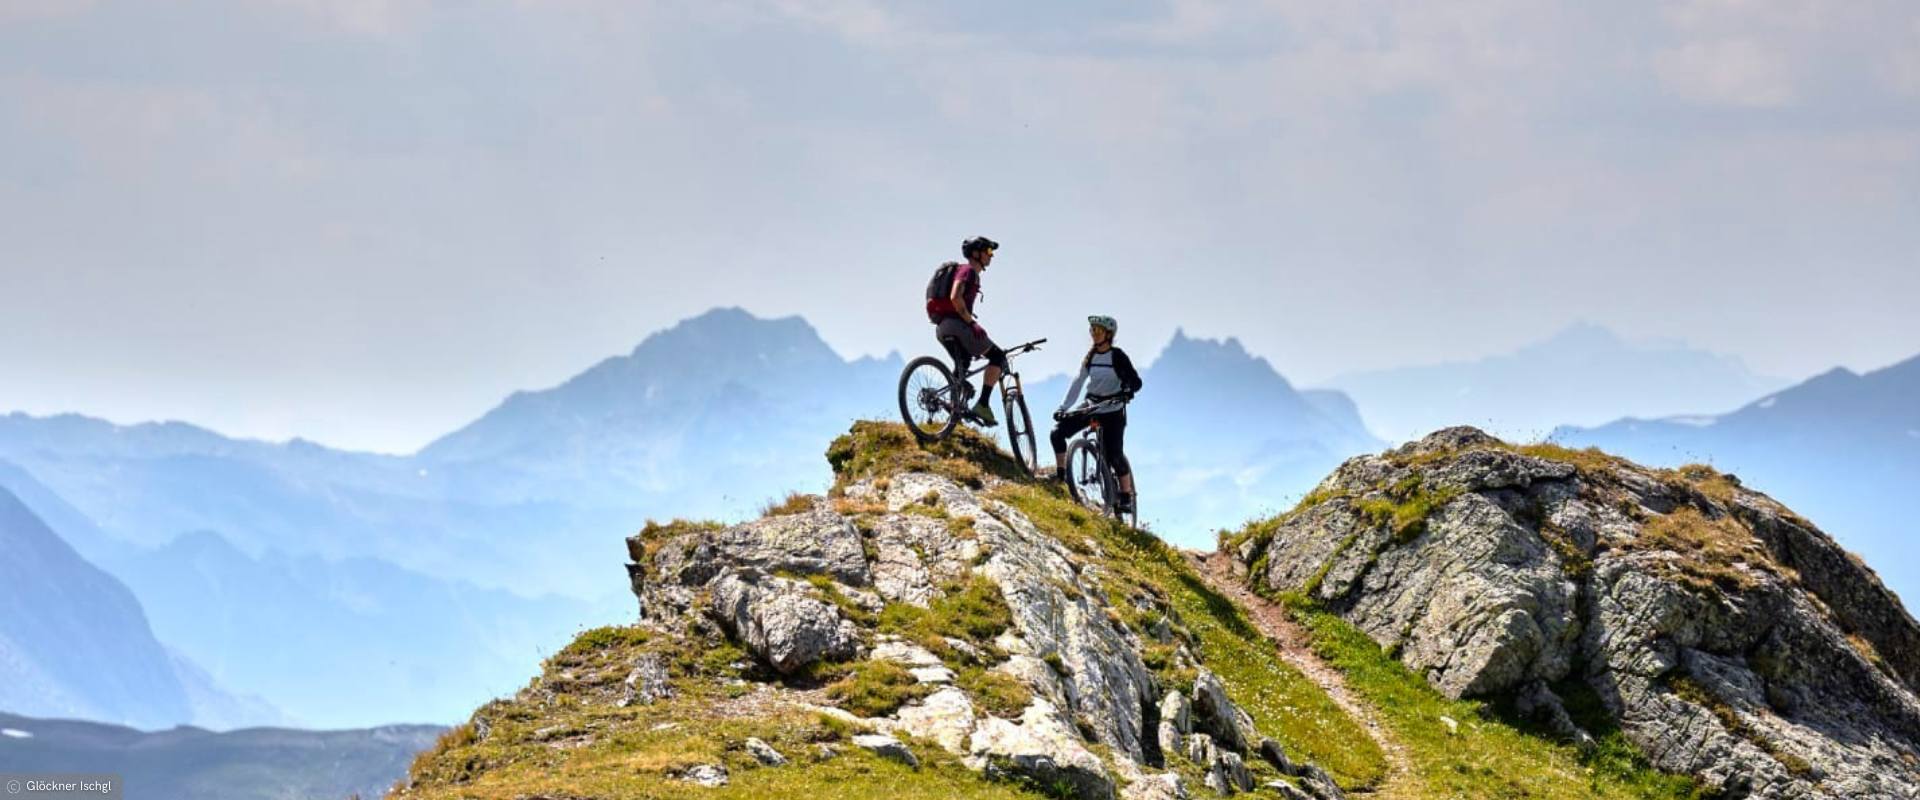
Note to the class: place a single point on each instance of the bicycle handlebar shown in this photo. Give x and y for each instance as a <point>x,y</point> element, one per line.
<point>1029,346</point>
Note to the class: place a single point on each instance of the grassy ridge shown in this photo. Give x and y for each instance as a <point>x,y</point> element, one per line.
<point>1486,756</point>
<point>566,736</point>
<point>1284,703</point>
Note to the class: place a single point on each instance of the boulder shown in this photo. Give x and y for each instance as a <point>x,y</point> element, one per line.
<point>764,753</point>
<point>1270,751</point>
<point>946,717</point>
<point>887,747</point>
<point>711,776</point>
<point>781,621</point>
<point>1217,716</point>
<point>1041,747</point>
<point>647,683</point>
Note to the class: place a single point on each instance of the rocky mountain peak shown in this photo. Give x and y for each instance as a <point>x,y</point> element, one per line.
<point>1730,638</point>
<point>934,609</point>
<point>938,625</point>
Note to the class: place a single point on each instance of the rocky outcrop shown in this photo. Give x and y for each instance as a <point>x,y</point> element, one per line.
<point>805,589</point>
<point>781,620</point>
<point>1730,638</point>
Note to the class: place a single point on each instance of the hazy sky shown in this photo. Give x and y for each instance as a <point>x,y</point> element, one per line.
<point>367,221</point>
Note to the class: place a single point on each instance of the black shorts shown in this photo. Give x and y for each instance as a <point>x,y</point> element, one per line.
<point>973,344</point>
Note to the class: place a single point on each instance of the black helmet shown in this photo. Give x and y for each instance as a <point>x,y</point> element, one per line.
<point>976,244</point>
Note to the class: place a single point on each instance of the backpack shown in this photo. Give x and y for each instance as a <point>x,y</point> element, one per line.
<point>940,291</point>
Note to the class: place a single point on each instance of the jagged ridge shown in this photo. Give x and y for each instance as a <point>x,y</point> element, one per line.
<point>1729,638</point>
<point>937,627</point>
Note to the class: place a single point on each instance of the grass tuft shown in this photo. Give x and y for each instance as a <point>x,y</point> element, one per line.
<point>876,688</point>
<point>795,503</point>
<point>884,449</point>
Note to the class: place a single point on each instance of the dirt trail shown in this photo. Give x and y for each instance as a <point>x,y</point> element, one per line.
<point>1296,648</point>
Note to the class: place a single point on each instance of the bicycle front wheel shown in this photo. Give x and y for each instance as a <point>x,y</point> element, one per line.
<point>1020,433</point>
<point>1087,477</point>
<point>929,398</point>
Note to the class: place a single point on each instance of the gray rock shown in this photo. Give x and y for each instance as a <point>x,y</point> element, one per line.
<point>647,683</point>
<point>1172,742</point>
<point>1164,786</point>
<point>1271,751</point>
<point>887,747</point>
<point>946,717</point>
<point>1234,769</point>
<point>813,543</point>
<point>916,555</point>
<point>781,620</point>
<point>903,653</point>
<point>1055,611</point>
<point>1533,572</point>
<point>1539,703</point>
<point>1318,783</point>
<point>1042,747</point>
<point>932,674</point>
<point>1286,791</point>
<point>712,776</point>
<point>764,753</point>
<point>1161,631</point>
<point>1174,708</point>
<point>1217,781</point>
<point>965,649</point>
<point>1200,749</point>
<point>1217,715</point>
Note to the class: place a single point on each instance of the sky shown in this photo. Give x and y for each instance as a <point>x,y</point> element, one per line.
<point>365,222</point>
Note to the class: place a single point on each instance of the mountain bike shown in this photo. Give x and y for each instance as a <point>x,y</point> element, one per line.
<point>1090,478</point>
<point>935,398</point>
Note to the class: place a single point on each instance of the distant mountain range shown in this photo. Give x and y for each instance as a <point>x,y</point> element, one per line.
<point>491,536</point>
<point>1842,448</point>
<point>497,533</point>
<point>300,628</point>
<point>194,763</point>
<point>1584,375</point>
<point>74,641</point>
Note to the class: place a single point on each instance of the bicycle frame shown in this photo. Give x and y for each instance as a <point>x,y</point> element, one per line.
<point>1094,440</point>
<point>1009,375</point>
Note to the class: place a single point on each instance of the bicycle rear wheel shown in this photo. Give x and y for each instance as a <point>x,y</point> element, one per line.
<point>1020,433</point>
<point>930,401</point>
<point>1088,479</point>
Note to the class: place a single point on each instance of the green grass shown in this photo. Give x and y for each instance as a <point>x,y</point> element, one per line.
<point>995,693</point>
<point>1284,703</point>
<point>1488,757</point>
<point>1405,507</point>
<point>972,610</point>
<point>566,737</point>
<point>593,642</point>
<point>876,689</point>
<point>881,449</point>
<point>795,503</point>
<point>631,761</point>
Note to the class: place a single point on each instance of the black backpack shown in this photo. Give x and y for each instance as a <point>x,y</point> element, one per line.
<point>940,291</point>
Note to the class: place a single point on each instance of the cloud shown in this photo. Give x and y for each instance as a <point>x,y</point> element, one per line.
<point>1737,72</point>
<point>375,163</point>
<point>14,10</point>
<point>370,17</point>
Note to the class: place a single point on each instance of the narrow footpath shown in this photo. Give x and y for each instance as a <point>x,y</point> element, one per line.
<point>1295,646</point>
